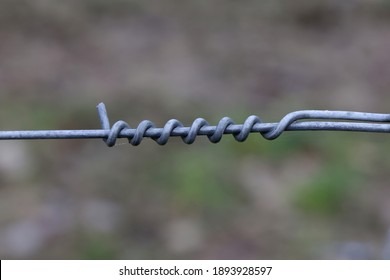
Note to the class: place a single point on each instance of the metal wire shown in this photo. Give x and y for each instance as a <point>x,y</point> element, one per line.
<point>315,120</point>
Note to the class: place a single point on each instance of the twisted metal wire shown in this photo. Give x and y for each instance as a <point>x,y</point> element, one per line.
<point>368,122</point>
<point>314,120</point>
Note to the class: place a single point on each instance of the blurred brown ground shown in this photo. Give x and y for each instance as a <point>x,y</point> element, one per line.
<point>315,195</point>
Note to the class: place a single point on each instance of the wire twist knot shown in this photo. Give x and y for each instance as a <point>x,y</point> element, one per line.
<point>241,132</point>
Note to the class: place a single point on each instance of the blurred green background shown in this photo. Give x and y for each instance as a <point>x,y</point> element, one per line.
<point>314,195</point>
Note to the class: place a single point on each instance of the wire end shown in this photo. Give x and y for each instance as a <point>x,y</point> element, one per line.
<point>104,121</point>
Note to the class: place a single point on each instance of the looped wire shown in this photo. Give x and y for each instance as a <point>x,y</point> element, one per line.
<point>270,131</point>
<point>305,120</point>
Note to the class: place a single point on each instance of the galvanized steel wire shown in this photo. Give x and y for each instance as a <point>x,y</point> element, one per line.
<point>294,121</point>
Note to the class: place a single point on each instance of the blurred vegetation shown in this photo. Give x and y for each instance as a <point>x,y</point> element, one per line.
<point>303,195</point>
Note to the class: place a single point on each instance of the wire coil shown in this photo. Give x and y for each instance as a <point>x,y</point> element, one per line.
<point>295,121</point>
<point>370,122</point>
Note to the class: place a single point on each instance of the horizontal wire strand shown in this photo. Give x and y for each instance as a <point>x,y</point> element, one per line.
<point>314,120</point>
